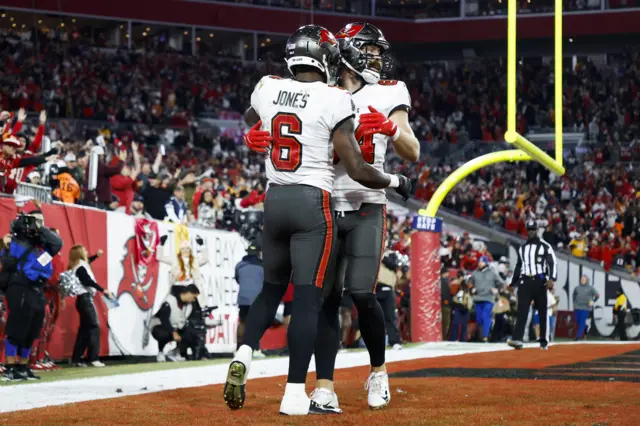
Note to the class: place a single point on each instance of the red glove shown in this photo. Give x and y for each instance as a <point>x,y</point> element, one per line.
<point>377,122</point>
<point>258,140</point>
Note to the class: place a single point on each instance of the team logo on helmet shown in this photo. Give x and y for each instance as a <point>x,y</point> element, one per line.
<point>350,31</point>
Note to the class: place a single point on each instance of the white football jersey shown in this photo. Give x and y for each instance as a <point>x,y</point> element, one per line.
<point>387,97</point>
<point>301,118</point>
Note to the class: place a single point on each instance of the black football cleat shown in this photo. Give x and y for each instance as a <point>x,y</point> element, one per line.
<point>516,344</point>
<point>315,408</point>
<point>234,388</point>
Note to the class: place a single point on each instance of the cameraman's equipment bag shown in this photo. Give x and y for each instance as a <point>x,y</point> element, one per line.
<point>9,266</point>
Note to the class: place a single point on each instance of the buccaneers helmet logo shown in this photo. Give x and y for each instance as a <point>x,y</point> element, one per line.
<point>350,31</point>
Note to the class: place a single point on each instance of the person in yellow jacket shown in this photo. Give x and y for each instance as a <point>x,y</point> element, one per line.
<point>620,314</point>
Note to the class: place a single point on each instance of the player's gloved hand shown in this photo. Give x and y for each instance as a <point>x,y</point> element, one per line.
<point>258,140</point>
<point>404,188</point>
<point>199,240</point>
<point>376,122</point>
<point>163,240</point>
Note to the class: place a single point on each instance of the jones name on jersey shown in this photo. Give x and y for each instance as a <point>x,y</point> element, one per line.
<point>301,117</point>
<point>388,96</point>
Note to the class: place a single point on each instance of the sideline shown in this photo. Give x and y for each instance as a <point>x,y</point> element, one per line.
<point>38,395</point>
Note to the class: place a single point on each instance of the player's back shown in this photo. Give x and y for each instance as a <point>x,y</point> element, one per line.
<point>301,117</point>
<point>387,96</point>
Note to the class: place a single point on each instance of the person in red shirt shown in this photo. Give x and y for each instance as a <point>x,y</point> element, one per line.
<point>125,184</point>
<point>10,162</point>
<point>206,185</point>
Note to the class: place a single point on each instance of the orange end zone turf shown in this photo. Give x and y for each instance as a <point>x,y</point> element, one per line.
<point>441,400</point>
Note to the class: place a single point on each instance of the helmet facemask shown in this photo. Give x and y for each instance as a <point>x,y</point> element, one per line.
<point>368,60</point>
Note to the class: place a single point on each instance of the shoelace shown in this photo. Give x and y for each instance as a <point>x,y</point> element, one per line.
<point>374,382</point>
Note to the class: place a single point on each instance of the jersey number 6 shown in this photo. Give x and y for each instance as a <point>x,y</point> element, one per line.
<point>286,153</point>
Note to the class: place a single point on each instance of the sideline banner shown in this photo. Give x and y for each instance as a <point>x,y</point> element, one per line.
<point>136,277</point>
<point>606,285</point>
<point>141,283</point>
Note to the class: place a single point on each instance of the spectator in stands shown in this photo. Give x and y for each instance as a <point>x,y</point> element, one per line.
<point>102,196</point>
<point>176,207</point>
<point>486,286</point>
<point>124,184</point>
<point>249,275</point>
<point>584,297</point>
<point>207,213</point>
<point>88,338</point>
<point>578,245</point>
<point>156,194</point>
<point>169,324</point>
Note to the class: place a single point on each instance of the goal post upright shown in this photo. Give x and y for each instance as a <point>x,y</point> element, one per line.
<point>425,242</point>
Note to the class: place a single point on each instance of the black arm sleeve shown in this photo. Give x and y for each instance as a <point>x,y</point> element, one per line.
<point>86,280</point>
<point>51,241</point>
<point>516,272</point>
<point>163,314</point>
<point>551,263</point>
<point>93,258</point>
<point>36,160</point>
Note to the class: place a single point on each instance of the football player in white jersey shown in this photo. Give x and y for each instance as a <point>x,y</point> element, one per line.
<point>381,118</point>
<point>299,122</point>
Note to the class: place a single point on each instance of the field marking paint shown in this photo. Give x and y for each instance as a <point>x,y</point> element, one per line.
<point>38,395</point>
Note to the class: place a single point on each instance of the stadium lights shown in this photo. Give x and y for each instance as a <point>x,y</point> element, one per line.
<point>122,27</point>
<point>11,19</point>
<point>268,40</point>
<point>14,25</point>
<point>4,15</point>
<point>186,33</point>
<point>40,21</point>
<point>246,46</point>
<point>144,34</point>
<point>148,29</point>
<point>528,151</point>
<point>62,25</point>
<point>73,20</point>
<point>197,38</point>
<point>211,35</point>
<point>23,25</point>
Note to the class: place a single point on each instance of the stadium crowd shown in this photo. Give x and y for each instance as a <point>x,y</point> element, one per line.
<point>143,101</point>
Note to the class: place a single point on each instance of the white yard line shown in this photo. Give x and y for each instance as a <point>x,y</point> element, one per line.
<point>37,395</point>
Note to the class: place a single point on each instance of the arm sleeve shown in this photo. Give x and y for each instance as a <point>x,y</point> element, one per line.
<point>37,140</point>
<point>164,315</point>
<point>518,270</point>
<point>595,295</point>
<point>401,98</point>
<point>16,127</point>
<point>51,241</point>
<point>552,263</point>
<point>86,280</point>
<point>171,212</point>
<point>109,171</point>
<point>36,160</point>
<point>342,110</point>
<point>93,258</point>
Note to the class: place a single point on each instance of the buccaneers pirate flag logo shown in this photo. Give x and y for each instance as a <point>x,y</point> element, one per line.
<point>140,278</point>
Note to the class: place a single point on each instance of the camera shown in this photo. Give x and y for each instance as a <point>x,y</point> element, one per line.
<point>25,227</point>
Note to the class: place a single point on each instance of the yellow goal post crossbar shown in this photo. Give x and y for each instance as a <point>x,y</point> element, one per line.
<point>527,150</point>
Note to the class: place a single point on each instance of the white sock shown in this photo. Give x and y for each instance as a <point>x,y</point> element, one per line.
<point>244,354</point>
<point>294,389</point>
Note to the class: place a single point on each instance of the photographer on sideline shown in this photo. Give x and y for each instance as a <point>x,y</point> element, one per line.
<point>170,323</point>
<point>26,267</point>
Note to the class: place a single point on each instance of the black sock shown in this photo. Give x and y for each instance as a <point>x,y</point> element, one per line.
<point>328,338</point>
<point>301,335</point>
<point>371,320</point>
<point>261,314</point>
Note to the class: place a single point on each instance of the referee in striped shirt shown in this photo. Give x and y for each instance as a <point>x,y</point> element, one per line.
<point>535,271</point>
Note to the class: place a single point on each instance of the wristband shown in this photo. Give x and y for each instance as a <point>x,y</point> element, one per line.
<point>396,135</point>
<point>394,181</point>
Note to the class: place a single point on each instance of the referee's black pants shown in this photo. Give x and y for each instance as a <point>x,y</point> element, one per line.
<point>532,289</point>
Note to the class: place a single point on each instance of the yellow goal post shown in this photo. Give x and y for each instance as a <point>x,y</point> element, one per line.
<point>526,150</point>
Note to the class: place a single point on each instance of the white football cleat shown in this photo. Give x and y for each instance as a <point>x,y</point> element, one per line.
<point>324,401</point>
<point>378,386</point>
<point>234,388</point>
<point>295,404</point>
